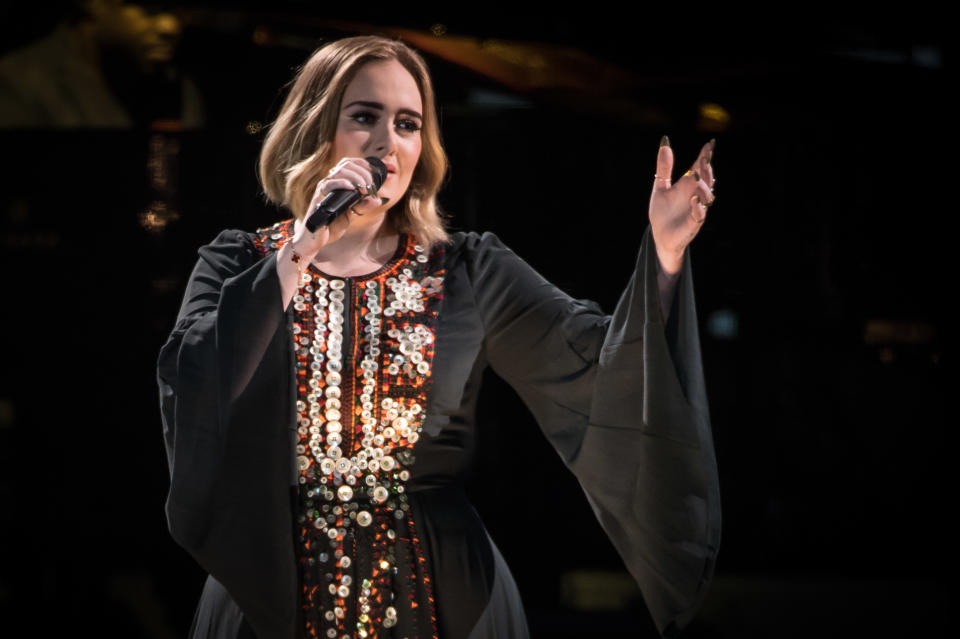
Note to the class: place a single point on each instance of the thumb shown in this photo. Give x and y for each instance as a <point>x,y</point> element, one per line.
<point>664,164</point>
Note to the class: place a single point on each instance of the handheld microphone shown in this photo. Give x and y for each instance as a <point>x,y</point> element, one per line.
<point>338,202</point>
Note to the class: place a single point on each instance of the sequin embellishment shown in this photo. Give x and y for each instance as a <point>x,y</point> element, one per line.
<point>364,348</point>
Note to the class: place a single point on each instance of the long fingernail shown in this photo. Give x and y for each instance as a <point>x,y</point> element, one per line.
<point>664,141</point>
<point>696,176</point>
<point>713,144</point>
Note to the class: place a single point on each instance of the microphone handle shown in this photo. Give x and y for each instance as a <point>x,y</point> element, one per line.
<point>335,204</point>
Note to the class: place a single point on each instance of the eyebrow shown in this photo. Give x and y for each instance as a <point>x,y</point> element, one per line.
<point>377,105</point>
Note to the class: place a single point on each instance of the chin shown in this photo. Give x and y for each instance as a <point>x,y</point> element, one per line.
<point>395,195</point>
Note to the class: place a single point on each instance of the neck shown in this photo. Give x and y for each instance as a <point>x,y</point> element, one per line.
<point>368,236</point>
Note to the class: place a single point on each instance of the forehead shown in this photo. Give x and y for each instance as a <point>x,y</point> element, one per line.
<point>384,81</point>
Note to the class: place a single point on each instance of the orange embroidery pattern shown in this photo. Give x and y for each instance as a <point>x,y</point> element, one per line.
<point>364,348</point>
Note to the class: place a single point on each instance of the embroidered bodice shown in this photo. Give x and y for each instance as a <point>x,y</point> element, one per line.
<point>364,347</point>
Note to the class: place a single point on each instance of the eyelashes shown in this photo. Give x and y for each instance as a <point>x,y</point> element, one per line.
<point>367,118</point>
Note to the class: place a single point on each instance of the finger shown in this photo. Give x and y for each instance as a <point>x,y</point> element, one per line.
<point>697,185</point>
<point>706,153</point>
<point>702,191</point>
<point>336,167</point>
<point>346,171</point>
<point>368,172</point>
<point>704,163</point>
<point>707,175</point>
<point>325,187</point>
<point>698,212</point>
<point>368,203</point>
<point>664,165</point>
<point>357,177</point>
<point>361,168</point>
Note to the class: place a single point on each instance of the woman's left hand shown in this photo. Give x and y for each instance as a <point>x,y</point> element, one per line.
<point>677,211</point>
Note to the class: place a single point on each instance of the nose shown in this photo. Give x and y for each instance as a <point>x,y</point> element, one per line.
<point>384,139</point>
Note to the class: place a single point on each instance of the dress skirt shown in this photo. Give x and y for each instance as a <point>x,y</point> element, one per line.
<point>475,593</point>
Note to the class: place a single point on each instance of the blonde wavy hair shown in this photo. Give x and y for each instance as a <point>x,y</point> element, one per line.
<point>296,152</point>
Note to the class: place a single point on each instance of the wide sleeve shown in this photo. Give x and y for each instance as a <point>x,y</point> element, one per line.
<point>622,399</point>
<point>225,406</point>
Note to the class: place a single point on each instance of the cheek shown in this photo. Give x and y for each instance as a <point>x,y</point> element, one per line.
<point>336,152</point>
<point>413,149</point>
<point>346,143</point>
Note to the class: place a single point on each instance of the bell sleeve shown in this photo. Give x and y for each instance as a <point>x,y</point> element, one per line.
<point>225,409</point>
<point>622,399</point>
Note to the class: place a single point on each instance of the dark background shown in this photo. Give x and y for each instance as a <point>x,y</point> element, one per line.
<point>821,278</point>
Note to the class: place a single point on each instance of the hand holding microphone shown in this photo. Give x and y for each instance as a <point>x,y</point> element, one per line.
<point>339,201</point>
<point>350,186</point>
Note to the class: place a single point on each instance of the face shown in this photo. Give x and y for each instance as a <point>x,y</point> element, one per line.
<point>381,115</point>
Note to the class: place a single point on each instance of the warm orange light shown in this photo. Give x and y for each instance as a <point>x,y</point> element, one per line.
<point>713,118</point>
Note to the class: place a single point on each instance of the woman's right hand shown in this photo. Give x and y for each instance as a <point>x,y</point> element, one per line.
<point>351,174</point>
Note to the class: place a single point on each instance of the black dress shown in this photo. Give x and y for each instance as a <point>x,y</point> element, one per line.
<point>317,455</point>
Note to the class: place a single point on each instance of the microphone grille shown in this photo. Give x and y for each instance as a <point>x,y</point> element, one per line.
<point>379,170</point>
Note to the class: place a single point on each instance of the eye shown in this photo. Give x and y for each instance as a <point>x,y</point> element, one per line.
<point>408,125</point>
<point>364,117</point>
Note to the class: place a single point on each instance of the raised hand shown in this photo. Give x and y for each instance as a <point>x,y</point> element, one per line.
<point>677,211</point>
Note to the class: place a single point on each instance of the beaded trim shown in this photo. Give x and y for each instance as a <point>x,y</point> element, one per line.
<point>360,415</point>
